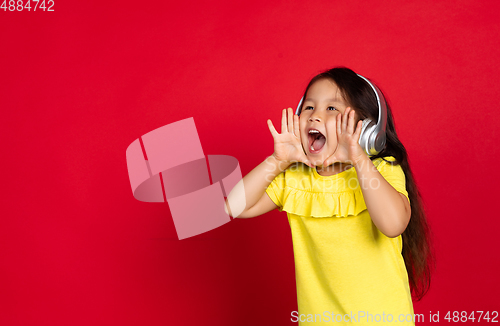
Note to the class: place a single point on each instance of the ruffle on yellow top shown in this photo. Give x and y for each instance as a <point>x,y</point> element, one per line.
<point>300,190</point>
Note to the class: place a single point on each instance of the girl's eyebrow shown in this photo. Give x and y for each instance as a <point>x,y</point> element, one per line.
<point>328,100</point>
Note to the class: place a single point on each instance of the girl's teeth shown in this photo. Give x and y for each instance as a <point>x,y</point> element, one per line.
<point>312,148</point>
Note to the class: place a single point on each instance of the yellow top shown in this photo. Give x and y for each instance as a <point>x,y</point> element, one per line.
<point>345,268</point>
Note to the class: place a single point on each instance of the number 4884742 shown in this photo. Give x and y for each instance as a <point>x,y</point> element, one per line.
<point>457,316</point>
<point>28,5</point>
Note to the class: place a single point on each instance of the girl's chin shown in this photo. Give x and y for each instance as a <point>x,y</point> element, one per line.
<point>316,159</point>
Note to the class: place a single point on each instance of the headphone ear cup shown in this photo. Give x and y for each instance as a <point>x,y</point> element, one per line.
<point>366,131</point>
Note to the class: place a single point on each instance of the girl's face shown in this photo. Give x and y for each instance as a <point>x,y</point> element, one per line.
<point>322,103</point>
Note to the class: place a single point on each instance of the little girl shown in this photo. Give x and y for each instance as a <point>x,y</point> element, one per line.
<point>360,237</point>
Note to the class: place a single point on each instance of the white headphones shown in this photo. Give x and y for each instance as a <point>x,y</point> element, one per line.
<point>372,138</point>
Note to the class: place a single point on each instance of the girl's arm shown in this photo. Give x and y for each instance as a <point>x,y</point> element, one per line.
<point>248,197</point>
<point>389,209</point>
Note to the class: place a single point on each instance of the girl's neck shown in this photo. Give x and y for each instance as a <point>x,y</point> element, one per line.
<point>333,169</point>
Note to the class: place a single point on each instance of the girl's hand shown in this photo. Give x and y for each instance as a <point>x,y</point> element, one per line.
<point>288,145</point>
<point>348,149</point>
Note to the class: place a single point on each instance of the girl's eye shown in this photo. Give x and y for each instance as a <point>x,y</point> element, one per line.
<point>308,108</point>
<point>331,108</point>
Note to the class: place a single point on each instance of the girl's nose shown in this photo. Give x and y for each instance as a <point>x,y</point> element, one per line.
<point>314,119</point>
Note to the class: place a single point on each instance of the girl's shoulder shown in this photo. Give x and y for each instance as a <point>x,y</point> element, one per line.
<point>385,162</point>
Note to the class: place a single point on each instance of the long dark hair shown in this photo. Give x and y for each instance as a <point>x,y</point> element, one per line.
<point>417,248</point>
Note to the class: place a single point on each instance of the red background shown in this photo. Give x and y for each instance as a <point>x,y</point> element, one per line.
<point>79,84</point>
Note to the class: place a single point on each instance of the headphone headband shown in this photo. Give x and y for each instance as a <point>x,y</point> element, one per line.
<point>382,107</point>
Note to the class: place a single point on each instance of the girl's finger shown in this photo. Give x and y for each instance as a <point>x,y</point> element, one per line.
<point>357,133</point>
<point>350,123</point>
<point>283,122</point>
<point>339,124</point>
<point>296,126</point>
<point>290,120</point>
<point>271,128</point>
<point>344,119</point>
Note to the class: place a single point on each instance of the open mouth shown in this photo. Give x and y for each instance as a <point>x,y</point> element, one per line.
<point>316,141</point>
